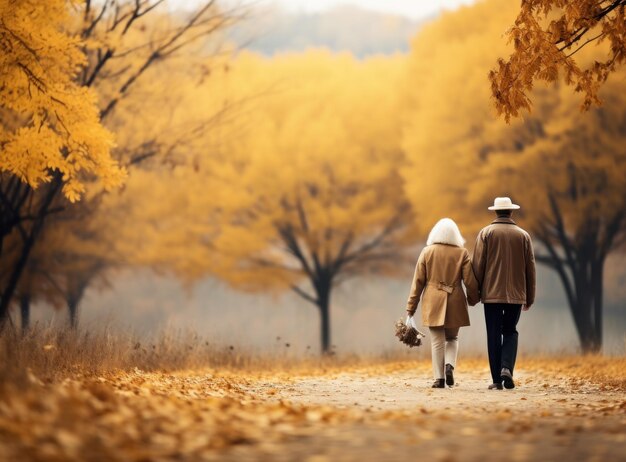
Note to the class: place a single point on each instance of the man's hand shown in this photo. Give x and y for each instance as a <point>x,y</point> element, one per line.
<point>526,307</point>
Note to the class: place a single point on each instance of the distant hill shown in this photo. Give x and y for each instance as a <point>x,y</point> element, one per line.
<point>345,28</point>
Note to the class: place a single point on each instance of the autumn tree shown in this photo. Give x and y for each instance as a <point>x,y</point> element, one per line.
<point>51,138</point>
<point>145,224</point>
<point>310,193</point>
<point>547,36</point>
<point>34,286</point>
<point>577,202</point>
<point>566,169</point>
<point>77,251</point>
<point>59,58</point>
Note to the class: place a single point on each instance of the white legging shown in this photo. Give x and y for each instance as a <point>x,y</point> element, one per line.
<point>444,345</point>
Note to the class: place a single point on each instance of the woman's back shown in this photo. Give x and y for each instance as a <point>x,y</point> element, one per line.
<point>441,267</point>
<point>438,275</point>
<point>444,263</point>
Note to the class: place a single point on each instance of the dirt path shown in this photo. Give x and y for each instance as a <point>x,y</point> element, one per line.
<point>539,420</point>
<point>373,412</point>
<point>409,390</point>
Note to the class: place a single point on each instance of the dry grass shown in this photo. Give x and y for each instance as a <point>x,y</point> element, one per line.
<point>55,354</point>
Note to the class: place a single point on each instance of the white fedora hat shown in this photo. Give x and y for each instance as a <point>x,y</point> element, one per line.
<point>503,203</point>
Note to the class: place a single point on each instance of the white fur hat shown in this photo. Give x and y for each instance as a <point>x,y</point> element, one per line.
<point>503,203</point>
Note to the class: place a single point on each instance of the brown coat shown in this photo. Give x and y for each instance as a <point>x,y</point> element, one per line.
<point>504,264</point>
<point>438,274</point>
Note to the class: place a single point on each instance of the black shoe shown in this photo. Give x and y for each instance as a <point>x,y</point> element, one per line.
<point>507,378</point>
<point>439,383</point>
<point>449,375</point>
<point>495,386</point>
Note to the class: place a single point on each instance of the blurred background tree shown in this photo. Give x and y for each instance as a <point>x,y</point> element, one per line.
<point>310,193</point>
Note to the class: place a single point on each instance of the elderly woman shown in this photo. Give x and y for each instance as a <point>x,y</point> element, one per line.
<point>441,267</point>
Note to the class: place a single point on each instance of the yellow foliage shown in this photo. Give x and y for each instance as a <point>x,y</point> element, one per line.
<point>311,176</point>
<point>567,170</point>
<point>448,113</point>
<point>54,122</point>
<point>309,167</point>
<point>465,157</point>
<point>547,37</point>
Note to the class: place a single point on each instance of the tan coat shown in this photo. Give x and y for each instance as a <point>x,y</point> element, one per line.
<point>438,275</point>
<point>504,264</point>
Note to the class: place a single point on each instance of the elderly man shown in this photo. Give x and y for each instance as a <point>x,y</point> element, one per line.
<point>504,265</point>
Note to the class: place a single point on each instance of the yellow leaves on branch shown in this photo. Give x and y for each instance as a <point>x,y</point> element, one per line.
<point>547,36</point>
<point>50,123</point>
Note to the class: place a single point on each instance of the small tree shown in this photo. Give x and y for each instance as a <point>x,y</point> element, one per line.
<point>311,194</point>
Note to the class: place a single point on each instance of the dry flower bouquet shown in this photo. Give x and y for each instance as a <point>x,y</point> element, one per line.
<point>407,332</point>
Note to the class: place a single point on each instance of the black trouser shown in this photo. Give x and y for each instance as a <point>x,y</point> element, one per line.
<point>501,320</point>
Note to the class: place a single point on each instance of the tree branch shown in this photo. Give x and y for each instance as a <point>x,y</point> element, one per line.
<point>290,241</point>
<point>561,233</point>
<point>557,264</point>
<point>305,295</point>
<point>389,229</point>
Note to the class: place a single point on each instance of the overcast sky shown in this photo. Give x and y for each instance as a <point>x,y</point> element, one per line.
<point>415,9</point>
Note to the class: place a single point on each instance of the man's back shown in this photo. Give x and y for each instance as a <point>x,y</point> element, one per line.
<point>504,263</point>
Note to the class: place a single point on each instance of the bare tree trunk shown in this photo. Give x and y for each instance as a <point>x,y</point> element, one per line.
<point>586,305</point>
<point>584,289</point>
<point>585,325</point>
<point>597,274</point>
<point>578,257</point>
<point>29,241</point>
<point>323,289</point>
<point>25,311</point>
<point>325,327</point>
<point>76,287</point>
<point>72,306</point>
